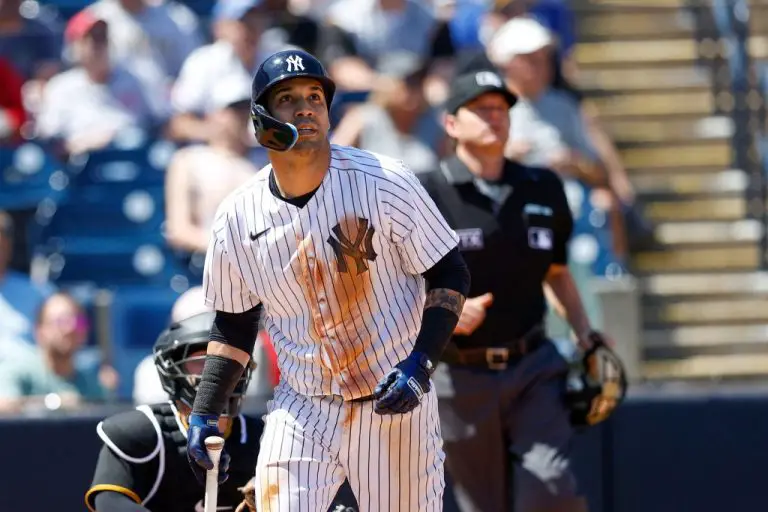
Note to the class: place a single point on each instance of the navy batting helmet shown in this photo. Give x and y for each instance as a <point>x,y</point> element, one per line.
<point>180,371</point>
<point>282,66</point>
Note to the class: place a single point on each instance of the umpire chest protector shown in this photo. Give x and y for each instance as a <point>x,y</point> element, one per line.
<point>510,232</point>
<point>152,440</point>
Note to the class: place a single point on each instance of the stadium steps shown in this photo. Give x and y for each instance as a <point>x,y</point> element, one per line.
<point>661,92</point>
<point>679,128</point>
<point>646,79</point>
<point>655,105</point>
<point>758,22</point>
<point>700,181</point>
<point>636,24</point>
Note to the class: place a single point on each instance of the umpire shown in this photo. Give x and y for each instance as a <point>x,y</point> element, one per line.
<point>503,386</point>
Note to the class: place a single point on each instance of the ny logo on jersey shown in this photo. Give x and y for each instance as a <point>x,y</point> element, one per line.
<point>359,250</point>
<point>295,63</point>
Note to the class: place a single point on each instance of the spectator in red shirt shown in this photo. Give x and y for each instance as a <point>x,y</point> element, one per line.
<point>12,113</point>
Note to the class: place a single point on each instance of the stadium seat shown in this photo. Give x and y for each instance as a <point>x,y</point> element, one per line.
<point>29,175</point>
<point>106,211</point>
<point>114,263</point>
<point>142,165</point>
<point>137,316</point>
<point>591,242</point>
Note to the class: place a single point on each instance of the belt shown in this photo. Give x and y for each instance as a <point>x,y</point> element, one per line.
<point>499,357</point>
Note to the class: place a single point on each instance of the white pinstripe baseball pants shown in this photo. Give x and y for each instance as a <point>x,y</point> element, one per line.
<point>393,463</point>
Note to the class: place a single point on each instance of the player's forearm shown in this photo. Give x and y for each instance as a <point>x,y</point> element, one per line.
<point>447,288</point>
<point>564,288</point>
<point>233,337</point>
<point>108,501</point>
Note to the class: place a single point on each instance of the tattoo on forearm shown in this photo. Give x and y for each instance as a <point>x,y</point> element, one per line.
<point>445,298</point>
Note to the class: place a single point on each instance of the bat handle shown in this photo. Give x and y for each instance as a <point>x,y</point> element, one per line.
<point>213,445</point>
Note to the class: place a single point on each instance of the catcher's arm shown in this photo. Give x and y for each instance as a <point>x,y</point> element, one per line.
<point>110,501</point>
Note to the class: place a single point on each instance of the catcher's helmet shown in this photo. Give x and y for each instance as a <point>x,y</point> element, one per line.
<point>282,66</point>
<point>172,357</point>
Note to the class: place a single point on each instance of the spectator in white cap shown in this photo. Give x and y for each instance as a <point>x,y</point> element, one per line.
<point>201,176</point>
<point>550,129</point>
<point>235,54</point>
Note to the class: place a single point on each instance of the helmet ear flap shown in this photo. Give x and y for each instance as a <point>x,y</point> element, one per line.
<point>270,132</point>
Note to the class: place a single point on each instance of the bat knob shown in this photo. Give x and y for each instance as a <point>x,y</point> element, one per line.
<point>214,445</point>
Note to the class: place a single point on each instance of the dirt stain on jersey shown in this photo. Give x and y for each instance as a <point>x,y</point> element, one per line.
<point>351,410</point>
<point>339,302</point>
<point>270,497</point>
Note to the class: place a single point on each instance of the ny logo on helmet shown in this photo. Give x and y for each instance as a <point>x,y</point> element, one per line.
<point>295,63</point>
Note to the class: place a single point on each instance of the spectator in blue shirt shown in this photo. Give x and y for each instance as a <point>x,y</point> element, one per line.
<point>50,376</point>
<point>20,298</point>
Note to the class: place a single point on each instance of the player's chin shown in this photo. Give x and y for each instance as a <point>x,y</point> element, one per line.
<point>310,142</point>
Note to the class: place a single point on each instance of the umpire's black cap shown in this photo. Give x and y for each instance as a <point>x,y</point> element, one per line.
<point>469,86</point>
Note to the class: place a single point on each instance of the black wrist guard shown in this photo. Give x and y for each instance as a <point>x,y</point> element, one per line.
<point>220,376</point>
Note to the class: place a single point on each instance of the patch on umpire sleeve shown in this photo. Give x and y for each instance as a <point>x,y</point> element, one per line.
<point>470,239</point>
<point>540,238</point>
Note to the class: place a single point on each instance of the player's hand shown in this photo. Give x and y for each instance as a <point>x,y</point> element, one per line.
<point>202,427</point>
<point>594,338</point>
<point>249,497</point>
<point>473,314</point>
<point>402,389</point>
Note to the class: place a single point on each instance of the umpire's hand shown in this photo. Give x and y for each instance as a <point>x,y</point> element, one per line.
<point>201,427</point>
<point>402,389</point>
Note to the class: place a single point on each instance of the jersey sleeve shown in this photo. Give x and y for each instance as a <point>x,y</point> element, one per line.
<point>563,221</point>
<point>114,474</point>
<point>128,460</point>
<point>223,283</point>
<point>417,228</point>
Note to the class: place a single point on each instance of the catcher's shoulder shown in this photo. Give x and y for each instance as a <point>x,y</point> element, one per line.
<point>133,435</point>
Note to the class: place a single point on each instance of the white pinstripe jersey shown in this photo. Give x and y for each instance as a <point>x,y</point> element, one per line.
<point>339,278</point>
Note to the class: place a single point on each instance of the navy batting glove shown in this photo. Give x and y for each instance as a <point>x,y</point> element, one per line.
<point>202,426</point>
<point>402,389</point>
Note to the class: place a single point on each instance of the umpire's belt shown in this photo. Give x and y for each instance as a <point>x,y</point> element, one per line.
<point>499,357</point>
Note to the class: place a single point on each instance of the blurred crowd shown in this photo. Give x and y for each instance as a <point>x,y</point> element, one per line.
<point>82,81</point>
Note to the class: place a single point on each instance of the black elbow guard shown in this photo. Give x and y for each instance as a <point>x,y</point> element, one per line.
<point>450,272</point>
<point>237,330</point>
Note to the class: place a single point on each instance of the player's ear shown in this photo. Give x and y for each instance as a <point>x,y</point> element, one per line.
<point>449,123</point>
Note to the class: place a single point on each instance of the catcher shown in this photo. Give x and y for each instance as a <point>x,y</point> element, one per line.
<point>508,400</point>
<point>143,463</point>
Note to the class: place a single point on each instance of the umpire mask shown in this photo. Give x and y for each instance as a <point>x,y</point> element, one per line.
<point>596,384</point>
<point>180,369</point>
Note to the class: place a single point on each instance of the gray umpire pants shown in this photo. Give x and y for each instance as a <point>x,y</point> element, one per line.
<point>507,436</point>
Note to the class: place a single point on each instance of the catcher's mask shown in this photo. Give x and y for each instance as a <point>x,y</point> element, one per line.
<point>180,369</point>
<point>596,384</point>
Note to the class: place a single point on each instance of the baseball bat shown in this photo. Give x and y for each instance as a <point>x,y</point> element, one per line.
<point>213,445</point>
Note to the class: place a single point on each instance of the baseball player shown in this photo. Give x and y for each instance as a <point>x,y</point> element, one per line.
<point>359,283</point>
<point>143,465</point>
<point>503,400</point>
